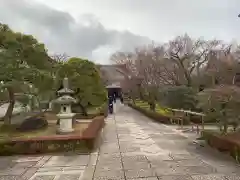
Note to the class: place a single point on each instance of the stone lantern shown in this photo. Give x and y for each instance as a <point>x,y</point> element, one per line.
<point>65,115</point>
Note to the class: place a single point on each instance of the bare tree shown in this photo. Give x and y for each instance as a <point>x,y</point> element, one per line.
<point>60,57</point>
<point>174,63</point>
<point>223,66</point>
<point>190,55</point>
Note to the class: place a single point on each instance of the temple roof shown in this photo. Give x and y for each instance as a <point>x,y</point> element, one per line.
<point>65,91</point>
<point>114,85</point>
<point>65,99</point>
<point>114,71</point>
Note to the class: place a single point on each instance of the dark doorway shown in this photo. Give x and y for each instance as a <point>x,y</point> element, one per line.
<point>237,79</point>
<point>114,92</point>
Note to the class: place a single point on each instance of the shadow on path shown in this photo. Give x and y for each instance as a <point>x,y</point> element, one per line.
<point>133,147</point>
<point>136,147</point>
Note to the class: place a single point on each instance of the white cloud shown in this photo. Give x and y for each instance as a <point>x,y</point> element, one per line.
<point>95,29</point>
<point>84,37</point>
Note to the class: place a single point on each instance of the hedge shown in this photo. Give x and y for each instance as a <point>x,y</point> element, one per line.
<point>56,143</point>
<point>229,143</point>
<point>151,114</point>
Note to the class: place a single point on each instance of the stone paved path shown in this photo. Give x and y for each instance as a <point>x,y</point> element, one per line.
<point>133,147</point>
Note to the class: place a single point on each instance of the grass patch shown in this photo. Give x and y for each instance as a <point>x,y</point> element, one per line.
<point>151,114</point>
<point>7,132</point>
<point>11,132</point>
<point>163,111</point>
<point>93,110</point>
<point>46,140</point>
<point>142,104</point>
<point>159,109</point>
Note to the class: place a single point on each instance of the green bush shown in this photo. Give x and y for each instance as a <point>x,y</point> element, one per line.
<point>84,79</point>
<point>6,148</point>
<point>178,97</point>
<point>221,104</point>
<point>151,114</point>
<point>235,153</point>
<point>93,112</point>
<point>56,108</point>
<point>44,105</point>
<point>103,110</point>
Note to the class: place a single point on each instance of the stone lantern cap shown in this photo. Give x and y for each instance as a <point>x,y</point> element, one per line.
<point>65,99</point>
<point>65,89</point>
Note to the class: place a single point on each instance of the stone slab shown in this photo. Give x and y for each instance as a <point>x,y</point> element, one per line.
<point>136,165</point>
<point>88,173</point>
<point>76,160</point>
<point>109,174</point>
<point>139,173</point>
<point>11,178</point>
<point>209,177</point>
<point>43,177</point>
<point>27,159</point>
<point>177,177</point>
<point>12,171</point>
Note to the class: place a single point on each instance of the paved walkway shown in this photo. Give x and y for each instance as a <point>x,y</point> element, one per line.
<point>133,147</point>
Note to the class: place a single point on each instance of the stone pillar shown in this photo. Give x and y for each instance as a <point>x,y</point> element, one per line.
<point>65,123</point>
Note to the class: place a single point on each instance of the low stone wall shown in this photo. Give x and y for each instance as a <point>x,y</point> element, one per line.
<point>55,143</point>
<point>229,143</point>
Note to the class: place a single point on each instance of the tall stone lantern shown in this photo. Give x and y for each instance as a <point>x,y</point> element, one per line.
<point>65,115</point>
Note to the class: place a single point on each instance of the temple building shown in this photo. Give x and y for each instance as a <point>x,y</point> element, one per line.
<point>115,77</point>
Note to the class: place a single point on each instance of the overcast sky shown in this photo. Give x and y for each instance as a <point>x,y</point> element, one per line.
<point>97,28</point>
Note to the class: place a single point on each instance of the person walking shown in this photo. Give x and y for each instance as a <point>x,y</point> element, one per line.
<point>121,98</point>
<point>114,98</point>
<point>110,104</point>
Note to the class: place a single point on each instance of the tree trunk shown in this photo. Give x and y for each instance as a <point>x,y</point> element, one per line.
<point>132,97</point>
<point>224,120</point>
<point>187,75</point>
<point>189,80</point>
<point>133,100</point>
<point>84,111</point>
<point>8,115</point>
<point>152,106</point>
<point>140,92</point>
<point>213,80</point>
<point>225,127</point>
<point>220,128</point>
<point>39,104</point>
<point>31,104</point>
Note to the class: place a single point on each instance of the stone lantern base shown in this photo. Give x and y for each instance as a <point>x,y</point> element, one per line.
<point>65,124</point>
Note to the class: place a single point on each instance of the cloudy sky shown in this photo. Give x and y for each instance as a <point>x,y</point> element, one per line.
<point>97,28</point>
